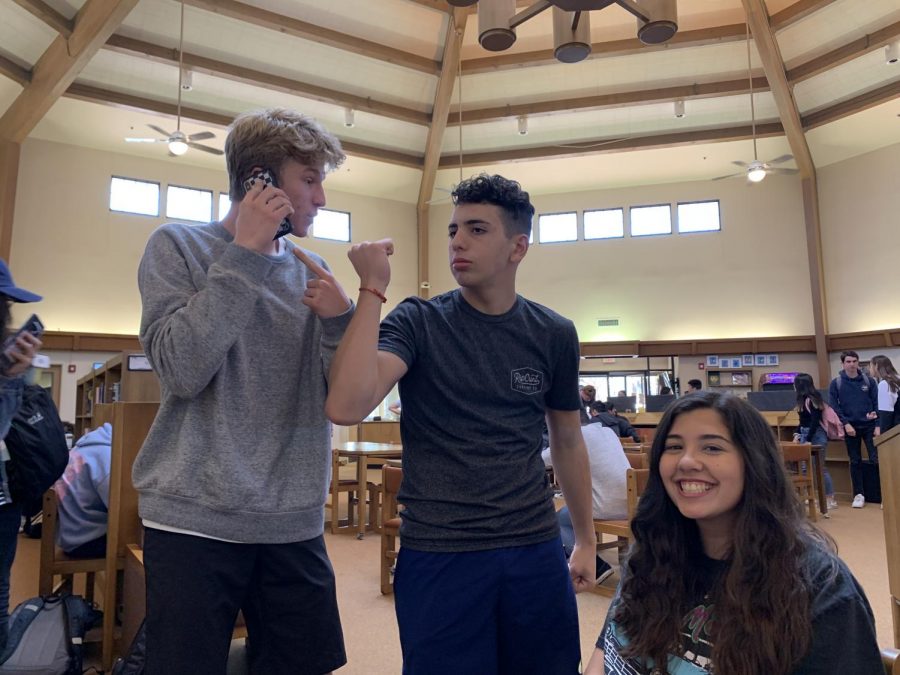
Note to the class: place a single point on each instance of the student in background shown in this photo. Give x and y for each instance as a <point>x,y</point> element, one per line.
<point>854,397</point>
<point>726,574</point>
<point>234,472</point>
<point>83,496</point>
<point>588,396</point>
<point>888,388</point>
<point>609,467</point>
<point>481,584</point>
<point>11,385</point>
<point>809,408</point>
<point>692,386</point>
<point>603,414</point>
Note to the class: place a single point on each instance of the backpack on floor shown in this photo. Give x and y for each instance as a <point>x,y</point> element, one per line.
<point>37,446</point>
<point>46,635</point>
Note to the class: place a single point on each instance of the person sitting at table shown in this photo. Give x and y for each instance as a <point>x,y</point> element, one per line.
<point>609,467</point>
<point>83,495</point>
<point>606,415</point>
<point>810,406</point>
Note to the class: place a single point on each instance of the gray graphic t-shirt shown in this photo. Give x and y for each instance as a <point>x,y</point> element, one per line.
<point>474,400</point>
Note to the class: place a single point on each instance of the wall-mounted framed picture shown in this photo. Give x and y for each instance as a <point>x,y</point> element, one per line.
<point>139,362</point>
<point>736,362</point>
<point>712,361</point>
<point>760,360</point>
<point>747,360</point>
<point>771,359</point>
<point>740,379</point>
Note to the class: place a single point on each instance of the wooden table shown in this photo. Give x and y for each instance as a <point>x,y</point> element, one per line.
<point>364,453</point>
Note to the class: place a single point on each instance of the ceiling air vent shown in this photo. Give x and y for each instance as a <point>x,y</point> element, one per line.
<point>606,323</point>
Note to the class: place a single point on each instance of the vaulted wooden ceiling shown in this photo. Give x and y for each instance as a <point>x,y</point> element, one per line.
<point>816,65</point>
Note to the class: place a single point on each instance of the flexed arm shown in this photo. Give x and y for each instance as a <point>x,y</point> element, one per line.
<point>361,376</point>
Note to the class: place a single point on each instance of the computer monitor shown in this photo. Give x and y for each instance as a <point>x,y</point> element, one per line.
<point>659,403</point>
<point>623,403</point>
<point>772,401</point>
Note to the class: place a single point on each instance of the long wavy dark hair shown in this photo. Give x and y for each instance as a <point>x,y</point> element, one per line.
<point>806,389</point>
<point>762,601</point>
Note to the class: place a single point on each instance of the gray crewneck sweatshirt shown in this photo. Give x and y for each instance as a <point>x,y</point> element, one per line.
<point>240,448</point>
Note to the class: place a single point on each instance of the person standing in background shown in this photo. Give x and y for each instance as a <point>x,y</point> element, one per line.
<point>12,383</point>
<point>854,397</point>
<point>883,371</point>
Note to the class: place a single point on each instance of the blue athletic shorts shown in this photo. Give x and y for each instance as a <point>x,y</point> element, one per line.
<point>507,610</point>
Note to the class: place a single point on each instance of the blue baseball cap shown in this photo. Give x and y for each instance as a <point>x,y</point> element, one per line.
<point>9,288</point>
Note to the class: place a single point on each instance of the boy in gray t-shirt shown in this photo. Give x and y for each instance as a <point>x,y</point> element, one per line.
<point>481,583</point>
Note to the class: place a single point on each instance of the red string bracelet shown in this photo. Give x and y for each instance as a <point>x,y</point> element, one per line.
<point>375,292</point>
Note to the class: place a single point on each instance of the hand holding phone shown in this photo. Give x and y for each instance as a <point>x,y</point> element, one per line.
<point>16,357</point>
<point>267,177</point>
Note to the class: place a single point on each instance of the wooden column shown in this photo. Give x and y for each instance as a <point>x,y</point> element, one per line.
<point>9,178</point>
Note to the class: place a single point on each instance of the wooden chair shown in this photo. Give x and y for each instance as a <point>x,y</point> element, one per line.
<point>638,460</point>
<point>131,422</point>
<point>338,486</point>
<point>391,477</point>
<point>633,447</point>
<point>798,462</point>
<point>636,483</point>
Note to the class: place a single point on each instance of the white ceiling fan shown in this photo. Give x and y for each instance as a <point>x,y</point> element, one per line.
<point>756,170</point>
<point>178,141</point>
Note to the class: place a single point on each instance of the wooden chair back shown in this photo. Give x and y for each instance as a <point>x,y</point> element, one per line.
<point>797,459</point>
<point>636,483</point>
<point>131,422</point>
<point>638,460</point>
<point>391,477</point>
<point>890,661</point>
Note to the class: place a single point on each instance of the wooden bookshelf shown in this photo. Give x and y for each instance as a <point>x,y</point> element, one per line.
<point>122,378</point>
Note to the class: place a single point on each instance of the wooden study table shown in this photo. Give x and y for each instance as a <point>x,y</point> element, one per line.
<point>363,453</point>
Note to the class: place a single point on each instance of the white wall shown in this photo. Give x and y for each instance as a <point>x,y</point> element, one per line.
<point>750,279</point>
<point>83,258</point>
<point>860,211</point>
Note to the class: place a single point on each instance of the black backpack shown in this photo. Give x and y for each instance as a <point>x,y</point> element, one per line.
<point>37,446</point>
<point>46,635</point>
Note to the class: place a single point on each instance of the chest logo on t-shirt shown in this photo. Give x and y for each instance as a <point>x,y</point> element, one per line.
<point>527,381</point>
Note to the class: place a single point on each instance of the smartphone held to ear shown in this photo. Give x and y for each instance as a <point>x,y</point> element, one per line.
<point>32,326</point>
<point>268,177</point>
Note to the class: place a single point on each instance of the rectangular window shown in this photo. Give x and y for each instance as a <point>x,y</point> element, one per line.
<point>334,225</point>
<point>604,224</point>
<point>699,217</point>
<point>647,220</point>
<point>224,204</point>
<point>189,204</point>
<point>134,196</point>
<point>554,227</point>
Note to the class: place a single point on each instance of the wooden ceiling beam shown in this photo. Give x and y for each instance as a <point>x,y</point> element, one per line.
<point>307,31</point>
<point>773,64</point>
<point>61,63</point>
<point>56,20</point>
<point>235,73</point>
<point>796,12</point>
<point>845,53</point>
<point>83,92</point>
<point>616,100</point>
<point>453,38</point>
<point>864,101</point>
<point>605,145</point>
<point>14,71</point>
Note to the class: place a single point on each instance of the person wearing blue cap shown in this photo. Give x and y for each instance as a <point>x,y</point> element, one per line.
<point>11,385</point>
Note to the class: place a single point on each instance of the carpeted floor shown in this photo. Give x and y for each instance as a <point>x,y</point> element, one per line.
<point>370,629</point>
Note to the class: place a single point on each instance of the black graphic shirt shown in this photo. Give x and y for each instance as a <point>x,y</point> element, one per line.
<point>474,400</point>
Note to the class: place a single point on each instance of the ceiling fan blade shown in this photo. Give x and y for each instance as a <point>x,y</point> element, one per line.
<point>201,136</point>
<point>144,140</point>
<point>159,130</point>
<point>783,172</point>
<point>205,148</point>
<point>738,162</point>
<point>779,160</point>
<point>731,175</point>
